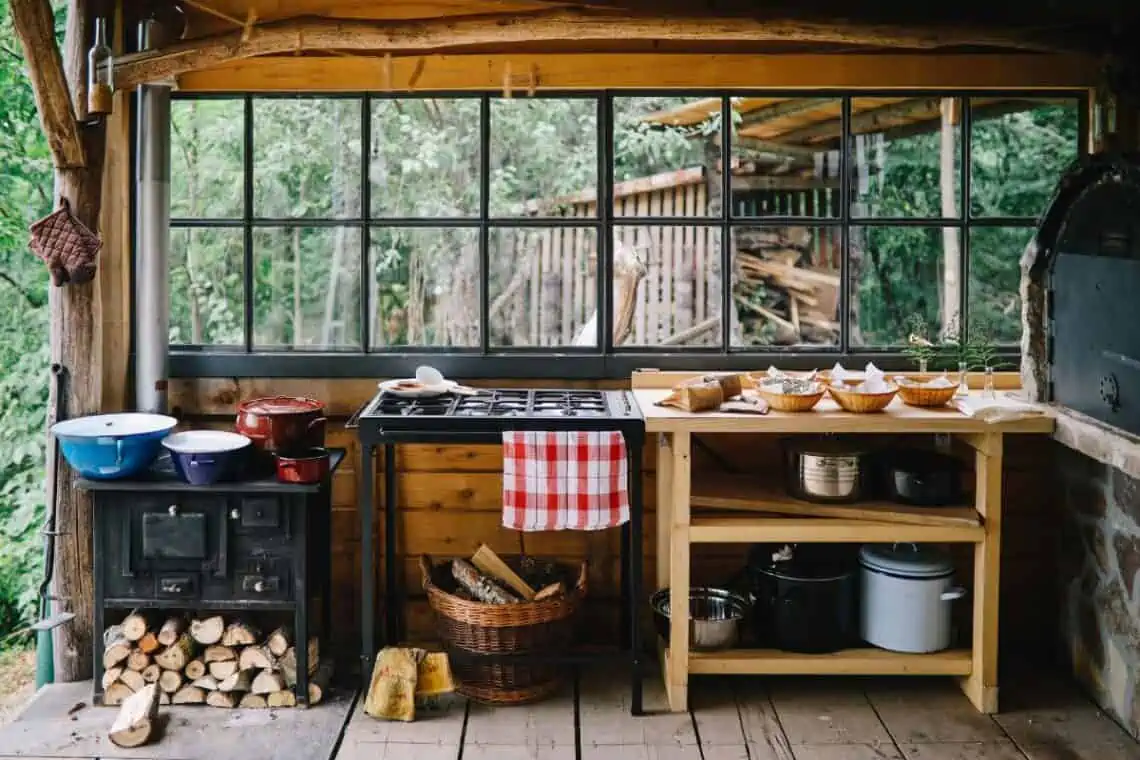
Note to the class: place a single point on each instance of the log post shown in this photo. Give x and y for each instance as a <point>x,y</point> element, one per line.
<point>59,83</point>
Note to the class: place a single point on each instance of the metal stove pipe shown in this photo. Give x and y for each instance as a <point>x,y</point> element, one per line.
<point>152,245</point>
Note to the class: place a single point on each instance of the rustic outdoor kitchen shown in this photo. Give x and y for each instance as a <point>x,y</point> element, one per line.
<point>713,445</point>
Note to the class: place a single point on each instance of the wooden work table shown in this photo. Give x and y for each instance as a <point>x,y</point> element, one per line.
<point>756,515</point>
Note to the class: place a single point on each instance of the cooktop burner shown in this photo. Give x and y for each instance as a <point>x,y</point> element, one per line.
<point>503,408</point>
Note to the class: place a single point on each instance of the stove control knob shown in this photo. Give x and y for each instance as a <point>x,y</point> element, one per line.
<point>235,514</point>
<point>259,586</point>
<point>173,510</point>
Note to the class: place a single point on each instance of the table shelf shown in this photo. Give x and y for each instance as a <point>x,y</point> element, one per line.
<point>848,662</point>
<point>735,529</point>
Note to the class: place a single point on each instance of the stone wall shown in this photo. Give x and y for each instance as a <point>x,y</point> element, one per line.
<point>1100,572</point>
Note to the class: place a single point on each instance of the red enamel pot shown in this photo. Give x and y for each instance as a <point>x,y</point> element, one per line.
<point>282,424</point>
<point>311,466</point>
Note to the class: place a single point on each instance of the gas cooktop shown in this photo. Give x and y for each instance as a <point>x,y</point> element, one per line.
<point>497,409</point>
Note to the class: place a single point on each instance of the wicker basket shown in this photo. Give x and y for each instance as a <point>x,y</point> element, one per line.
<point>861,403</point>
<point>916,395</point>
<point>524,628</point>
<point>790,402</point>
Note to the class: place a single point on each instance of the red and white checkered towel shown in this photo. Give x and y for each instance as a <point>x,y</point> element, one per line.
<point>566,480</point>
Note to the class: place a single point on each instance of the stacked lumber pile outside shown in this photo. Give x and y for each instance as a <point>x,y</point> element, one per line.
<point>780,298</point>
<point>206,661</point>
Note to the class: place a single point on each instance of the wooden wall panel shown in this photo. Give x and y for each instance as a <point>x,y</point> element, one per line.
<point>449,503</point>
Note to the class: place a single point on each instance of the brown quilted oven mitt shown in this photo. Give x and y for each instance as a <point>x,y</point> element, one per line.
<point>66,245</point>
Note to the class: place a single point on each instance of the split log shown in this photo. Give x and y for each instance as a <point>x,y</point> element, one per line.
<point>136,625</point>
<point>152,673</point>
<point>148,643</point>
<point>170,681</point>
<point>189,695</point>
<point>239,635</point>
<point>133,680</point>
<point>223,670</point>
<point>279,641</point>
<point>195,669</point>
<point>550,592</point>
<point>492,564</point>
<point>288,661</point>
<point>116,648</point>
<point>163,697</point>
<point>481,587</point>
<point>138,660</point>
<point>319,683</point>
<point>116,694</point>
<point>171,631</point>
<point>238,681</point>
<point>208,631</point>
<point>255,701</point>
<point>256,658</point>
<point>284,698</point>
<point>207,682</point>
<point>110,676</point>
<point>228,699</point>
<point>135,724</point>
<point>267,682</point>
<point>175,656</point>
<point>219,654</point>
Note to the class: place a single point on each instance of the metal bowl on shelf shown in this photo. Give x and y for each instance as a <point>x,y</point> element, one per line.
<point>714,616</point>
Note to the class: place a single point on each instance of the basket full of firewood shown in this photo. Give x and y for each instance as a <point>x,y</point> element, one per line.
<point>504,606</point>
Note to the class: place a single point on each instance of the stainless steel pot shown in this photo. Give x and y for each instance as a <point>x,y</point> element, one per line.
<point>825,470</point>
<point>714,616</point>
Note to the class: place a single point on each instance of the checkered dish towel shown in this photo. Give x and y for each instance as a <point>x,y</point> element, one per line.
<point>566,480</point>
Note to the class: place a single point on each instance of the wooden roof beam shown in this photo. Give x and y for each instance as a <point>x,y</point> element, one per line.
<point>454,33</point>
<point>35,27</point>
<point>875,120</point>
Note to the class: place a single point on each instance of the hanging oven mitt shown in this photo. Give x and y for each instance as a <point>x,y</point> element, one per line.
<point>66,245</point>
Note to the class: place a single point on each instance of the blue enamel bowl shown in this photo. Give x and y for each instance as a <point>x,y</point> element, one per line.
<point>202,457</point>
<point>112,446</point>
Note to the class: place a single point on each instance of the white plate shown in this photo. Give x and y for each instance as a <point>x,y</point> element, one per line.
<point>424,392</point>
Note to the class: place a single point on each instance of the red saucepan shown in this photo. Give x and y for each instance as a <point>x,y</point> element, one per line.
<point>310,466</point>
<point>282,424</point>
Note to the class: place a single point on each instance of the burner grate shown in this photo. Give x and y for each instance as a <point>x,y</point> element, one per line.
<point>502,403</point>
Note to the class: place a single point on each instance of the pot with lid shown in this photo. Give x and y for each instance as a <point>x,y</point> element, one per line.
<point>282,424</point>
<point>923,478</point>
<point>805,596</point>
<point>826,469</point>
<point>907,595</point>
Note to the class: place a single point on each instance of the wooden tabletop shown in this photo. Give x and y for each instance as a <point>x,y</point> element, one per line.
<point>827,417</point>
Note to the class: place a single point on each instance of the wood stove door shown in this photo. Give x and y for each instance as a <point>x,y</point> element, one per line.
<point>1096,348</point>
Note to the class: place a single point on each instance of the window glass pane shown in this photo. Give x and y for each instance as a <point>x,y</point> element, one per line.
<point>207,302</point>
<point>306,158</point>
<point>306,284</point>
<point>786,286</point>
<point>544,156</point>
<point>542,286</point>
<point>906,157</point>
<point>661,148</point>
<point>1018,151</point>
<point>899,274</point>
<point>425,287</point>
<point>424,158</point>
<point>667,286</point>
<point>995,281</point>
<point>206,159</point>
<point>786,157</point>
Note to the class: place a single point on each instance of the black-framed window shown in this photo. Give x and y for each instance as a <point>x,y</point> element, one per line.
<point>351,235</point>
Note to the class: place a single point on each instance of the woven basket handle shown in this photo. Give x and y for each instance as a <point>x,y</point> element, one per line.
<point>425,570</point>
<point>583,577</point>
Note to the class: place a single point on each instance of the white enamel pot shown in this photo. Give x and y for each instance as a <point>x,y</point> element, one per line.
<point>908,593</point>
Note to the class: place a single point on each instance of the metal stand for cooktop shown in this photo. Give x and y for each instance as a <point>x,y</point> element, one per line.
<point>372,434</point>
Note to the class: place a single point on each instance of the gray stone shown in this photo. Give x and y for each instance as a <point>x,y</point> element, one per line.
<point>1126,494</point>
<point>1034,353</point>
<point>1088,627</point>
<point>1096,545</point>
<point>1127,560</point>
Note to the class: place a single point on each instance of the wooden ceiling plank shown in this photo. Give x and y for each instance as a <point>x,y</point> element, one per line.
<point>318,33</point>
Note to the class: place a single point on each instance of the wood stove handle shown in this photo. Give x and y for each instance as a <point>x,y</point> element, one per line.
<point>223,546</point>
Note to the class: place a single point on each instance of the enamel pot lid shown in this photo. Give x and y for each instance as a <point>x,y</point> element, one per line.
<point>275,405</point>
<point>906,560</point>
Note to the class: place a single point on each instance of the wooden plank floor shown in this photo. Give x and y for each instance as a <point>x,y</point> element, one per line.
<point>760,719</point>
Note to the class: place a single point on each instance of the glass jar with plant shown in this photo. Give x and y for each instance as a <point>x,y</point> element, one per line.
<point>919,348</point>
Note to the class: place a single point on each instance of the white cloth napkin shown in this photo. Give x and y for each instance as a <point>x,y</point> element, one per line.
<point>998,409</point>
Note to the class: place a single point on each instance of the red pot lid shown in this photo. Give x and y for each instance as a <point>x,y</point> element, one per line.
<point>281,405</point>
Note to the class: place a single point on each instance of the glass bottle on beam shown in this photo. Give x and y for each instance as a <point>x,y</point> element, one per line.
<point>100,72</point>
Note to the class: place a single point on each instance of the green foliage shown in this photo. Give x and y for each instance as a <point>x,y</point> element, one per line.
<point>25,194</point>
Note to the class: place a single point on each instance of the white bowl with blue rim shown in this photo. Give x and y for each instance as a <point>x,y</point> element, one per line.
<point>112,446</point>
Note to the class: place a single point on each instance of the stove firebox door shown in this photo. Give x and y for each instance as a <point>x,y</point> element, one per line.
<point>173,535</point>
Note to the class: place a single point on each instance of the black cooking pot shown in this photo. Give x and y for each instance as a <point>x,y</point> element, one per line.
<point>806,596</point>
<point>924,478</point>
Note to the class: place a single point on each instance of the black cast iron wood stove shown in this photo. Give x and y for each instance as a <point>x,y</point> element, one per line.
<point>389,420</point>
<point>254,545</point>
<point>1089,248</point>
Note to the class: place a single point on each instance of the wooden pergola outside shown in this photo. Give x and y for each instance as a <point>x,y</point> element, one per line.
<point>518,47</point>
